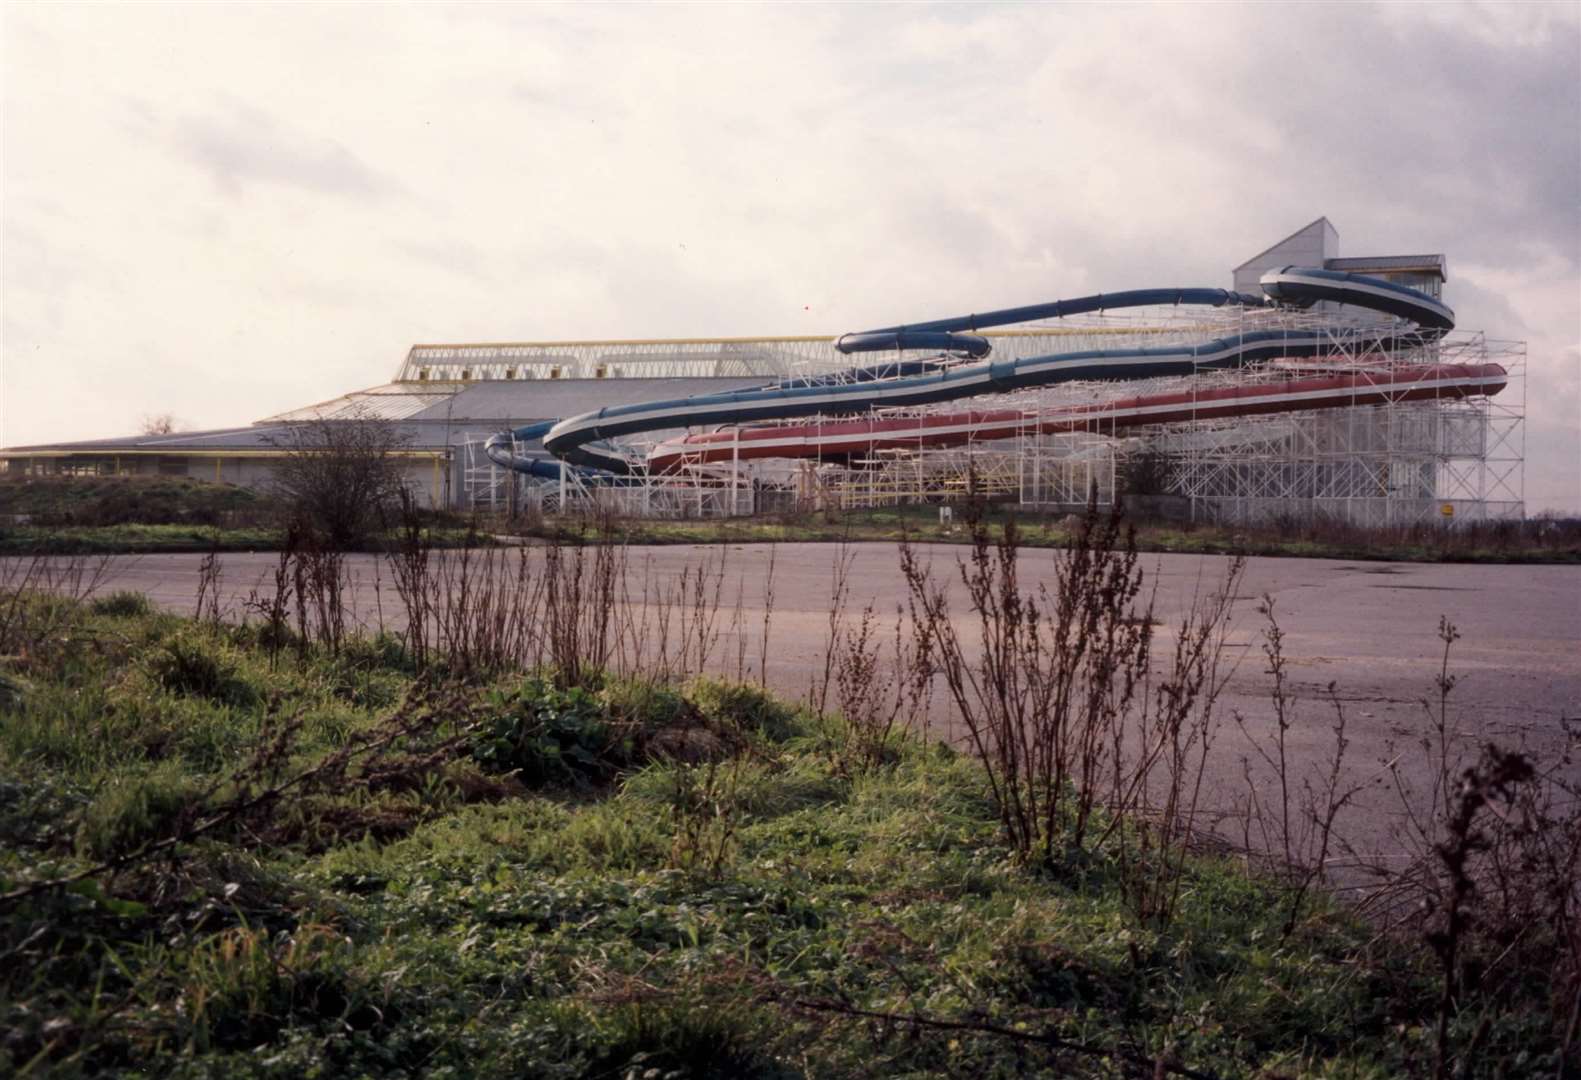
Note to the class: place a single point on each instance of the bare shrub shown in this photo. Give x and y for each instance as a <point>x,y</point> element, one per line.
<point>1058,699</point>
<point>580,590</point>
<point>1158,787</point>
<point>877,691</point>
<point>1300,827</point>
<point>206,607</point>
<point>341,478</point>
<point>670,629</point>
<point>768,620</point>
<point>409,567</point>
<point>839,597</point>
<point>321,587</point>
<point>1492,880</point>
<point>274,607</point>
<point>485,609</point>
<point>1054,673</point>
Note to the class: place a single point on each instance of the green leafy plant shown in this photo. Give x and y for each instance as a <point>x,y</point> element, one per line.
<point>548,734</point>
<point>123,604</point>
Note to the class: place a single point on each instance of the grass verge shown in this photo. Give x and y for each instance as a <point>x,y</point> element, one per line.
<point>333,866</point>
<point>1510,542</point>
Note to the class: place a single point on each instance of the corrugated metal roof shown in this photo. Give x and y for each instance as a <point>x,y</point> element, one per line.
<point>474,411</point>
<point>503,401</point>
<point>392,401</point>
<point>218,438</point>
<point>256,438</point>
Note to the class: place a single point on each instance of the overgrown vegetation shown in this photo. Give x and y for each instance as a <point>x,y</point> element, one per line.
<point>93,515</point>
<point>341,479</point>
<point>1533,541</point>
<point>279,848</point>
<point>100,501</point>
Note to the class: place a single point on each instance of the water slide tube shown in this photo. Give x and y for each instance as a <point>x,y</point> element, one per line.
<point>575,440</point>
<point>522,448</point>
<point>833,441</point>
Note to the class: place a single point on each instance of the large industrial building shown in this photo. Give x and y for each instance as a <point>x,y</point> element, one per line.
<point>1355,417</point>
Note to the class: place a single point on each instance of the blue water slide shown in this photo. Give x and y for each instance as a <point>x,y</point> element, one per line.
<point>946,335</point>
<point>575,440</point>
<point>514,449</point>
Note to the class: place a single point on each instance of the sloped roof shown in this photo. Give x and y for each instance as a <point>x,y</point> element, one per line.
<point>1305,228</point>
<point>504,400</point>
<point>446,419</point>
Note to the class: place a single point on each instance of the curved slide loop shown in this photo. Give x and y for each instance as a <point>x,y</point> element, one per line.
<point>513,449</point>
<point>570,439</point>
<point>939,333</point>
<point>1302,287</point>
<point>911,383</point>
<point>506,450</point>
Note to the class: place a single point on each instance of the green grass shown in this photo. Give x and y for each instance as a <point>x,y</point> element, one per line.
<point>126,539</point>
<point>477,920</point>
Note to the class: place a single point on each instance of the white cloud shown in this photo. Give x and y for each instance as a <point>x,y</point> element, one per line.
<point>225,211</point>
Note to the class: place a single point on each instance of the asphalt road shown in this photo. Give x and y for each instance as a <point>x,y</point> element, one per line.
<point>1367,629</point>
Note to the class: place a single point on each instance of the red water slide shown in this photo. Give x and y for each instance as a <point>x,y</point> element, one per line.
<point>844,439</point>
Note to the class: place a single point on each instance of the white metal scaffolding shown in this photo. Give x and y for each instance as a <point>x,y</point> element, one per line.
<point>1448,459</point>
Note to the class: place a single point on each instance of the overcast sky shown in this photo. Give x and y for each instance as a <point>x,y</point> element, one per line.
<point>223,212</point>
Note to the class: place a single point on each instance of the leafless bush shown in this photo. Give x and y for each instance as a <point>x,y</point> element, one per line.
<point>310,586</point>
<point>1158,789</point>
<point>321,588</point>
<point>839,597</point>
<point>485,609</point>
<point>409,569</point>
<point>768,620</point>
<point>1300,828</point>
<point>1058,700</point>
<point>342,478</point>
<point>210,578</point>
<point>1492,880</point>
<point>1045,692</point>
<point>580,591</point>
<point>160,424</point>
<point>875,694</point>
<point>274,607</point>
<point>670,629</point>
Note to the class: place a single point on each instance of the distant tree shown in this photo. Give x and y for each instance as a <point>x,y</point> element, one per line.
<point>1147,472</point>
<point>161,424</point>
<point>341,478</point>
